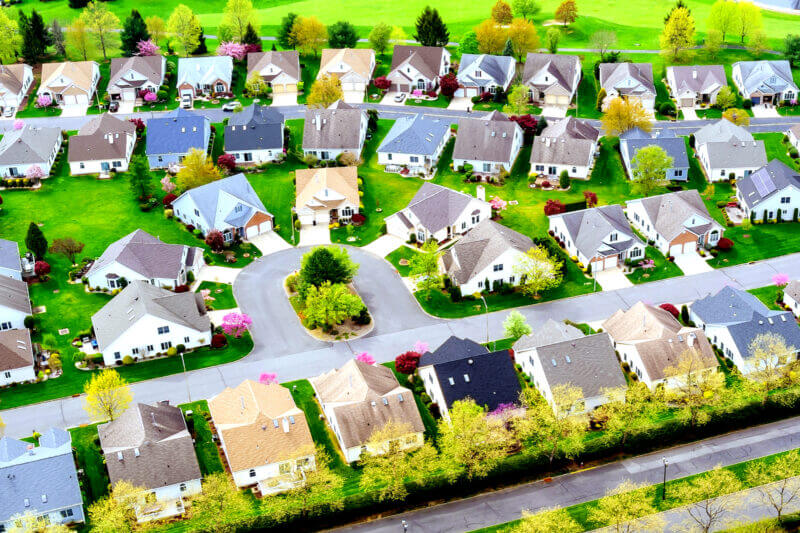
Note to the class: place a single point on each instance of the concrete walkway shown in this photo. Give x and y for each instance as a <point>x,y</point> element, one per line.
<point>384,245</point>
<point>218,274</point>
<point>269,243</point>
<point>314,235</point>
<point>612,279</point>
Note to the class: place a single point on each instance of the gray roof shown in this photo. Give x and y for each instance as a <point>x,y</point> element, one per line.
<point>453,349</point>
<point>206,198</point>
<point>9,255</point>
<point>485,139</point>
<point>15,349</point>
<point>425,59</point>
<point>480,247</point>
<point>34,473</point>
<point>256,127</point>
<point>437,207</point>
<point>204,70</point>
<point>792,290</point>
<point>735,154</point>
<point>14,295</point>
<point>561,67</point>
<point>499,69</point>
<point>12,77</point>
<point>176,133</point>
<point>586,362</point>
<point>773,178</point>
<point>146,255</point>
<point>287,60</point>
<point>149,67</point>
<point>722,130</point>
<point>30,145</point>
<point>154,444</point>
<point>337,127</point>
<point>699,79</point>
<point>766,76</point>
<point>675,147</point>
<point>669,212</point>
<point>139,299</point>
<point>628,78</point>
<point>589,229</point>
<point>415,134</point>
<point>566,142</point>
<point>551,332</point>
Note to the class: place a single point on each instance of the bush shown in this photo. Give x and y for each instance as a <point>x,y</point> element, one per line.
<point>168,199</point>
<point>219,340</point>
<point>725,244</point>
<point>127,360</point>
<point>29,322</point>
<point>793,153</point>
<point>563,179</point>
<point>455,294</point>
<point>362,318</point>
<point>747,104</point>
<point>406,363</point>
<point>554,207</point>
<point>181,348</point>
<point>668,108</point>
<point>171,351</point>
<point>671,309</point>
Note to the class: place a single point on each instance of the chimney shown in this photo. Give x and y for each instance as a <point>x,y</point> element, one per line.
<point>694,74</point>
<point>318,123</point>
<point>547,141</point>
<point>480,193</point>
<point>285,426</point>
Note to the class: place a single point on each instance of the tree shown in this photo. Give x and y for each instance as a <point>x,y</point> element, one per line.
<point>328,304</point>
<point>748,20</point>
<point>628,410</point>
<point>139,178</point>
<point>198,169</point>
<point>227,162</point>
<point>102,23</point>
<point>554,207</point>
<point>603,41</point>
<point>526,9</point>
<point>552,37</point>
<point>35,36</point>
<point>379,37</point>
<point>515,325</point>
<point>779,495</point>
<point>549,428</point>
<point>201,48</point>
<point>758,43</point>
<point>448,84</point>
<point>237,51</point>
<point>342,34</point>
<point>524,38</point>
<point>626,509</point>
<point>713,496</point>
<point>35,241</point>
<point>471,440</point>
<point>501,12</point>
<point>117,511</point>
<point>424,268</point>
<point>431,29</point>
<point>309,35</point>
<point>215,240</point>
<point>791,49</point>
<point>491,37</point>
<point>327,264</point>
<point>220,505</point>
<point>567,12</point>
<point>694,385</point>
<point>678,34</point>
<point>285,38</point>
<point>508,49</point>
<point>591,198</point>
<point>723,17</point>
<point>185,28</point>
<point>553,519</point>
<point>67,246</point>
<point>538,271</point>
<point>251,36</point>
<point>41,269</point>
<point>468,44</point>
<point>388,461</point>
<point>254,85</point>
<point>769,353</point>
<point>236,324</point>
<point>725,98</point>
<point>649,169</point>
<point>107,395</point>
<point>737,116</point>
<point>133,31</point>
<point>238,15</point>
<point>57,34</point>
<point>623,114</point>
<point>9,38</point>
<point>407,362</point>
<point>28,522</point>
<point>156,27</point>
<point>517,101</point>
<point>78,38</point>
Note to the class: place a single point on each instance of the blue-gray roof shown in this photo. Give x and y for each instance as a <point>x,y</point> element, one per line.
<point>489,379</point>
<point>256,127</point>
<point>206,197</point>
<point>415,135</point>
<point>496,67</point>
<point>176,133</point>
<point>674,147</point>
<point>9,255</point>
<point>768,180</point>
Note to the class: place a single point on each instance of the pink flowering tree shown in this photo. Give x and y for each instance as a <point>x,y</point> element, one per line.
<point>502,409</point>
<point>19,124</point>
<point>647,264</point>
<point>235,50</point>
<point>150,96</point>
<point>206,294</point>
<point>498,204</point>
<point>780,280</point>
<point>147,48</point>
<point>236,324</point>
<point>44,100</point>
<point>268,378</point>
<point>34,171</point>
<point>365,357</point>
<point>420,347</point>
<point>167,185</point>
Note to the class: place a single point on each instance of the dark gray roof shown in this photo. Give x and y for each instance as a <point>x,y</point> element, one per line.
<point>149,446</point>
<point>561,67</point>
<point>426,59</point>
<point>628,78</point>
<point>489,379</point>
<point>766,76</point>
<point>589,229</point>
<point>256,127</point>
<point>437,207</point>
<point>567,142</point>
<point>452,349</point>
<point>550,332</point>
<point>499,69</point>
<point>416,134</point>
<point>103,137</point>
<point>176,133</point>
<point>9,255</point>
<point>14,295</point>
<point>30,145</point>
<point>485,139</point>
<point>586,362</point>
<point>770,179</point>
<point>337,127</point>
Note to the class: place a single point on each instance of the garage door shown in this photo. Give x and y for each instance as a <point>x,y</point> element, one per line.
<point>70,99</point>
<point>562,100</point>
<point>128,96</point>
<point>264,227</point>
<point>610,262</point>
<point>685,248</point>
<point>278,89</point>
<point>251,232</point>
<point>351,86</point>
<point>687,102</point>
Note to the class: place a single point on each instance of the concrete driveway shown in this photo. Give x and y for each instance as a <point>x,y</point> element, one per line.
<point>554,111</point>
<point>74,110</point>
<point>388,99</point>
<point>284,99</point>
<point>689,113</point>
<point>218,274</point>
<point>383,246</point>
<point>612,279</point>
<point>760,111</point>
<point>354,97</point>
<point>269,242</point>
<point>460,103</point>
<point>692,264</point>
<point>314,235</point>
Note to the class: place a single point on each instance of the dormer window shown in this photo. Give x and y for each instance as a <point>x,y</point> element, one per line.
<point>478,73</point>
<point>612,237</point>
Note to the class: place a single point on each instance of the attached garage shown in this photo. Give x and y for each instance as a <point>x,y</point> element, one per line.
<point>129,95</point>
<point>683,248</point>
<point>400,88</point>
<point>604,263</point>
<point>687,102</point>
<point>284,88</point>
<point>352,86</point>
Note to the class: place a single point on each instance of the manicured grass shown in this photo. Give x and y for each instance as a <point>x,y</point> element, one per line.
<point>586,100</point>
<point>440,102</point>
<point>768,295</point>
<point>709,113</point>
<point>759,242</point>
<point>89,458</point>
<point>207,452</point>
<point>222,300</point>
<point>497,106</point>
<point>663,269</point>
<point>776,149</point>
<point>404,252</point>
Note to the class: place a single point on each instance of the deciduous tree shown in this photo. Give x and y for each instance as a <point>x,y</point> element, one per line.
<point>723,17</point>
<point>791,49</point>
<point>134,30</point>
<point>515,325</point>
<point>649,169</point>
<point>623,114</point>
<point>468,44</point>
<point>424,268</point>
<point>221,504</point>
<point>693,385</point>
<point>107,395</point>
<point>117,511</point>
<point>538,271</point>
<point>68,247</point>
<point>309,35</point>
<point>626,509</point>
<point>9,38</point>
<point>769,353</point>
<point>737,116</point>
<point>342,34</point>
<point>567,12</point>
<point>550,520</point>
<point>102,23</point>
<point>603,41</point>
<point>327,264</point>
<point>713,42</point>
<point>524,38</point>
<point>156,27</point>
<point>517,101</point>
<point>78,38</point>
<point>431,29</point>
<point>57,34</point>
<point>678,34</point>
<point>197,169</point>
<point>501,12</point>
<point>550,428</point>
<point>776,482</point>
<point>552,37</point>
<point>139,178</point>
<point>491,37</point>
<point>28,522</point>
<point>328,305</point>
<point>185,28</point>
<point>748,20</point>
<point>713,496</point>
<point>285,37</point>
<point>526,9</point>
<point>725,98</point>
<point>35,241</point>
<point>757,43</point>
<point>628,410</point>
<point>238,15</point>
<point>379,37</point>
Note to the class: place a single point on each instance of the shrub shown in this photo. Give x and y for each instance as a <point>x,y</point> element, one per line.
<point>793,153</point>
<point>171,351</point>
<point>358,219</point>
<point>181,348</point>
<point>29,322</point>
<point>127,360</point>
<point>182,288</point>
<point>362,318</point>
<point>747,104</point>
<point>554,207</point>
<point>455,294</point>
<point>725,244</point>
<point>215,240</point>
<point>406,363</point>
<point>226,162</point>
<point>218,340</point>
<point>667,108</point>
<point>168,199</point>
<point>563,179</point>
<point>601,95</point>
<point>671,309</point>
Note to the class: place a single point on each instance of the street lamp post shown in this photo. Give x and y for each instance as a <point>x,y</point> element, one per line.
<point>291,218</point>
<point>664,483</point>
<point>486,306</point>
<point>405,525</point>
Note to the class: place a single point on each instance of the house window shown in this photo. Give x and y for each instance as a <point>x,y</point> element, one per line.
<point>166,345</point>
<point>186,339</point>
<point>613,237</point>
<point>539,168</point>
<point>285,468</point>
<point>7,375</point>
<point>116,164</point>
<point>722,172</point>
<point>785,200</point>
<point>487,167</point>
<point>196,213</point>
<point>413,159</point>
<point>183,487</point>
<point>476,219</point>
<point>480,284</point>
<point>66,513</point>
<point>149,347</point>
<point>163,329</point>
<point>463,225</point>
<point>82,165</point>
<point>134,351</point>
<point>238,208</point>
<point>678,172</point>
<point>512,279</point>
<point>252,472</point>
<point>635,252</point>
<point>498,268</point>
<point>5,325</point>
<point>117,355</point>
<point>574,170</point>
<point>389,157</point>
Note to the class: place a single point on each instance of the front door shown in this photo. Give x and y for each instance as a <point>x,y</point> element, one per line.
<point>105,166</point>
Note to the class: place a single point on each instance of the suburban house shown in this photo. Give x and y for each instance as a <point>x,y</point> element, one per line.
<point>279,70</point>
<point>767,82</point>
<point>676,222</point>
<point>21,151</point>
<point>40,480</point>
<point>634,140</point>
<point>15,304</point>
<point>633,81</point>
<point>490,144</point>
<point>172,136</point>
<point>71,83</point>
<point>204,76</point>
<point>770,193</point>
<point>131,77</point>
<point>326,195</point>
<point>353,68</point>
<point>264,436</point>
<point>560,355</point>
<point>149,446</point>
<point>791,297</point>
<point>359,399</point>
<point>462,369</point>
<point>328,133</point>
<point>552,79</point>
<point>484,73</point>
<point>651,341</point>
<point>15,81</point>
<point>600,237</point>
<point>794,136</point>
<point>102,145</point>
<point>439,213</point>
<point>728,151</point>
<point>10,262</point>
<point>417,67</point>
<point>140,256</point>
<point>17,360</point>
<point>568,145</point>
<point>696,84</point>
<point>229,205</point>
<point>145,321</point>
<point>255,135</point>
<point>414,144</point>
<point>488,254</point>
<point>733,318</point>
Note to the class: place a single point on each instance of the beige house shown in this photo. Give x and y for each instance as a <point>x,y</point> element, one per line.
<point>15,81</point>
<point>264,436</point>
<point>326,195</point>
<point>359,399</point>
<point>279,70</point>
<point>102,145</point>
<point>353,67</point>
<point>71,83</point>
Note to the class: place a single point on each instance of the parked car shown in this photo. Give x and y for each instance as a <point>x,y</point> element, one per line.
<point>231,106</point>
<point>113,106</point>
<point>400,97</point>
<point>186,101</point>
<point>9,112</point>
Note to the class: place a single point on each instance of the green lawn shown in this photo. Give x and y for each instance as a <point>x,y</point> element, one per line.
<point>759,242</point>
<point>440,102</point>
<point>89,458</point>
<point>204,446</point>
<point>431,427</point>
<point>663,269</point>
<point>773,142</point>
<point>404,252</point>
<point>222,294</point>
<point>768,295</point>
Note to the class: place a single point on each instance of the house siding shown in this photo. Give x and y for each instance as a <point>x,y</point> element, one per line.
<point>144,333</point>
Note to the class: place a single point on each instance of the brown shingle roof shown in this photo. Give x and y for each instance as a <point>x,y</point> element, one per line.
<point>80,72</point>
<point>288,61</point>
<point>104,137</point>
<point>358,59</point>
<point>310,182</point>
<point>151,67</point>
<point>426,59</point>
<point>15,349</point>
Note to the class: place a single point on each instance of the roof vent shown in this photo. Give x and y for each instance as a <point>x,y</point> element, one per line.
<point>568,359</point>
<point>385,401</point>
<point>136,452</point>
<point>466,378</point>
<point>783,317</point>
<point>400,398</point>
<point>119,456</point>
<point>291,419</point>
<point>275,423</point>
<point>554,362</point>
<point>470,361</point>
<point>451,381</point>
<point>373,404</point>
<point>770,321</point>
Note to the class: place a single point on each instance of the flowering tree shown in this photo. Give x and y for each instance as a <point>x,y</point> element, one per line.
<point>167,185</point>
<point>215,240</point>
<point>591,198</point>
<point>235,50</point>
<point>448,84</point>
<point>528,124</point>
<point>382,83</point>
<point>268,378</point>
<point>235,324</point>
<point>41,269</point>
<point>139,123</point>
<point>498,204</point>
<point>252,48</point>
<point>365,357</point>
<point>671,309</point>
<point>406,363</point>
<point>780,280</point>
<point>554,207</point>
<point>44,100</point>
<point>34,171</point>
<point>19,124</point>
<point>226,162</point>
<point>502,408</point>
<point>147,48</point>
<point>150,96</point>
<point>647,264</point>
<point>168,199</point>
<point>420,347</point>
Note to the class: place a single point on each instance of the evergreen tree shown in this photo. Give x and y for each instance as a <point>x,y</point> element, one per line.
<point>133,31</point>
<point>327,264</point>
<point>35,241</point>
<point>508,49</point>
<point>78,4</point>
<point>250,36</point>
<point>285,38</point>
<point>35,37</point>
<point>141,182</point>
<point>342,35</point>
<point>431,29</point>
<point>679,4</point>
<point>201,49</point>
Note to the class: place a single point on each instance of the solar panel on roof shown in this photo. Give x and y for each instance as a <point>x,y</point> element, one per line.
<point>763,183</point>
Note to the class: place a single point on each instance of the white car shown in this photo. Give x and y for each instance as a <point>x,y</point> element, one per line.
<point>186,101</point>
<point>232,106</point>
<point>400,97</point>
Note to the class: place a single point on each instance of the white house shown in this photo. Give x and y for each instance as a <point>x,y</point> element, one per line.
<point>765,82</point>
<point>255,135</point>
<point>794,136</point>
<point>552,79</point>
<point>17,364</point>
<point>417,67</point>
<point>353,68</point>
<point>566,145</point>
<point>439,213</point>
<point>15,304</point>
<point>484,73</point>
<point>414,145</point>
<point>204,76</point>
<point>10,260</point>
<point>490,144</point>
<point>15,81</point>
<point>326,195</point>
<point>328,133</point>
<point>280,70</point>
<point>264,436</point>
<point>770,193</point>
<point>144,321</point>
<point>21,151</point>
<point>102,145</point>
<point>71,83</point>
<point>791,297</point>
<point>633,81</point>
<point>728,151</point>
<point>696,84</point>
<point>131,76</point>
